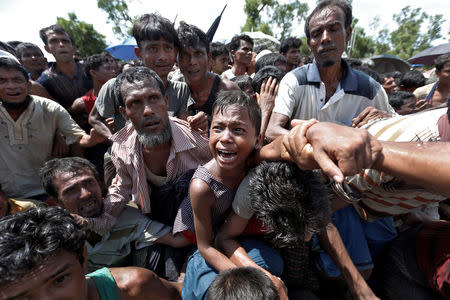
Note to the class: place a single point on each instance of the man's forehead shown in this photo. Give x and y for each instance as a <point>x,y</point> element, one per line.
<point>10,73</point>
<point>154,42</point>
<point>328,15</point>
<point>64,177</point>
<point>136,87</point>
<point>53,34</point>
<point>194,48</point>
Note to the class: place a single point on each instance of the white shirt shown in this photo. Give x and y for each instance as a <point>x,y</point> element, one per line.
<point>302,95</point>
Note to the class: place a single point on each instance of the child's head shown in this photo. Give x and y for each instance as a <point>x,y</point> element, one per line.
<point>244,82</point>
<point>403,102</point>
<point>235,126</point>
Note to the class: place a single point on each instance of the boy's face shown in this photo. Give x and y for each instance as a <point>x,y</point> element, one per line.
<point>293,56</point>
<point>60,277</point>
<point>33,59</point>
<point>160,56</point>
<point>232,136</point>
<point>105,72</point>
<point>408,107</point>
<point>219,64</point>
<point>244,54</point>
<point>60,46</point>
<point>193,63</point>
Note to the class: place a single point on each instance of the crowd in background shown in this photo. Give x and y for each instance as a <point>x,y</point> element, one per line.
<point>212,171</point>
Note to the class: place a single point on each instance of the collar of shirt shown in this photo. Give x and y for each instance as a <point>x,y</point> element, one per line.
<point>349,83</point>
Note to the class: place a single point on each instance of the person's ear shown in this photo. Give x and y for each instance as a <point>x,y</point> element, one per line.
<point>123,112</point>
<point>93,73</point>
<point>348,33</point>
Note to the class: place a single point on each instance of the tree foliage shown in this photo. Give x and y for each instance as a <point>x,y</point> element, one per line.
<point>409,38</point>
<point>117,11</point>
<point>279,16</point>
<point>87,40</point>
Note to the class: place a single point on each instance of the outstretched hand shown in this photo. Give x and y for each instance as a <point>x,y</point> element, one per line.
<point>338,150</point>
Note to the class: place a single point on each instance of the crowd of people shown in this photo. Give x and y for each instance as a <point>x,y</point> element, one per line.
<point>211,171</point>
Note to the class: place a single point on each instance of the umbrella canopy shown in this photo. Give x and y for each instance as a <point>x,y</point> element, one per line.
<point>263,41</point>
<point>385,63</point>
<point>427,56</point>
<point>123,51</point>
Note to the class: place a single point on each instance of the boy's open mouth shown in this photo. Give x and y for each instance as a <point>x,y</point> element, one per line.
<point>227,156</point>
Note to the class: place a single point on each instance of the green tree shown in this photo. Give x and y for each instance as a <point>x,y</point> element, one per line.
<point>304,49</point>
<point>361,46</point>
<point>87,40</point>
<point>407,39</point>
<point>278,15</point>
<point>284,15</point>
<point>253,10</point>
<point>117,11</point>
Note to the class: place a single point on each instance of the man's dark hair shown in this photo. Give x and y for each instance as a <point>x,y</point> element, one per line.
<point>131,63</point>
<point>133,75</point>
<point>20,49</point>
<point>398,98</point>
<point>56,28</point>
<point>372,73</point>
<point>394,74</point>
<point>266,72</point>
<point>412,79</point>
<point>290,202</point>
<point>218,49</point>
<point>236,41</point>
<point>191,36</point>
<point>10,64</point>
<point>441,61</point>
<point>342,4</point>
<point>14,43</point>
<point>153,27</point>
<point>28,238</point>
<point>243,81</point>
<point>8,48</point>
<point>65,165</point>
<point>270,59</point>
<point>94,62</point>
<point>239,98</point>
<point>290,42</point>
<point>245,283</point>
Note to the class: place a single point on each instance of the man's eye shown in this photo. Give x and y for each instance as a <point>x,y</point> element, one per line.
<point>61,279</point>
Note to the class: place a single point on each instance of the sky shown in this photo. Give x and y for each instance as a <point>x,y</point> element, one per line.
<point>22,19</point>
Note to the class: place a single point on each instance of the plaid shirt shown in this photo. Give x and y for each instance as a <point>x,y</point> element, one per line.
<point>188,150</point>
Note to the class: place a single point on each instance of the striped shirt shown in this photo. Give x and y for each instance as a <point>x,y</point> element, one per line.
<point>188,150</point>
<point>384,193</point>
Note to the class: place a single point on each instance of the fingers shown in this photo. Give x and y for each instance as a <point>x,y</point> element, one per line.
<point>328,166</point>
<point>198,122</point>
<point>361,116</point>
